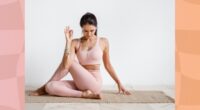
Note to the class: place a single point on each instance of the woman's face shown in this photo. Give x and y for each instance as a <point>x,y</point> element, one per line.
<point>88,30</point>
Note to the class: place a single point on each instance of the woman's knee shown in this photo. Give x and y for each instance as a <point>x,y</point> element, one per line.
<point>50,87</point>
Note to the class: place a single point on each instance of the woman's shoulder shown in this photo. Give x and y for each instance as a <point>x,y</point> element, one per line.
<point>76,40</point>
<point>75,43</point>
<point>103,39</point>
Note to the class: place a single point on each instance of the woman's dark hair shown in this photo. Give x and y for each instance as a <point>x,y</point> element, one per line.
<point>88,18</point>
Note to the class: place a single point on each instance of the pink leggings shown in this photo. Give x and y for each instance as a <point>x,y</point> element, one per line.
<point>83,79</point>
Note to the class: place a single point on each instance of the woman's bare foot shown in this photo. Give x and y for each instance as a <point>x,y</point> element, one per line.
<point>38,92</point>
<point>90,95</point>
<point>34,93</point>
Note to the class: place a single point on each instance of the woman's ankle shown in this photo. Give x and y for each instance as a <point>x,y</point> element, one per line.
<point>89,94</point>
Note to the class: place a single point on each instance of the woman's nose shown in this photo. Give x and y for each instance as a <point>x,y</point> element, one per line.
<point>89,33</point>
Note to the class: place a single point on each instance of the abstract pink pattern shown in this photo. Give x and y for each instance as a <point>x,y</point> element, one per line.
<point>12,54</point>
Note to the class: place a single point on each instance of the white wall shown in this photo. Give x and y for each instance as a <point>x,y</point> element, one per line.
<point>140,32</point>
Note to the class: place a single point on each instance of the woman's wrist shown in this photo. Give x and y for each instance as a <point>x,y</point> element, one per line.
<point>67,51</point>
<point>67,47</point>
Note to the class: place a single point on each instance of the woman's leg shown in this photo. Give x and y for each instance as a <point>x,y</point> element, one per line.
<point>68,88</point>
<point>84,79</point>
<point>63,88</point>
<point>58,74</point>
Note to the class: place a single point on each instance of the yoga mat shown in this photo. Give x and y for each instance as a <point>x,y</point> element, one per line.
<point>108,96</point>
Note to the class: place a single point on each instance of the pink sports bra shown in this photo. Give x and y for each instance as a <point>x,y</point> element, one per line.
<point>90,57</point>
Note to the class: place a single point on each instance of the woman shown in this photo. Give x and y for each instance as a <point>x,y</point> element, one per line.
<point>89,50</point>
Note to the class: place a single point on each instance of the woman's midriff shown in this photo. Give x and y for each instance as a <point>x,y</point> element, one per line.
<point>92,67</point>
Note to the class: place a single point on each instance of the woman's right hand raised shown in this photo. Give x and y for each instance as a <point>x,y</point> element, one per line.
<point>68,34</point>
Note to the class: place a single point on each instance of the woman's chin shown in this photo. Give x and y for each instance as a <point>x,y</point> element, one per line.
<point>86,37</point>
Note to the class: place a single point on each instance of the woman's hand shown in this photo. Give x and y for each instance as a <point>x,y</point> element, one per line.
<point>121,89</point>
<point>38,92</point>
<point>68,34</point>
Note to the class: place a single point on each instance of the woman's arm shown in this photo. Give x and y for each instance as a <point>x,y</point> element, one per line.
<point>61,70</point>
<point>107,63</point>
<point>65,63</point>
<point>109,68</point>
